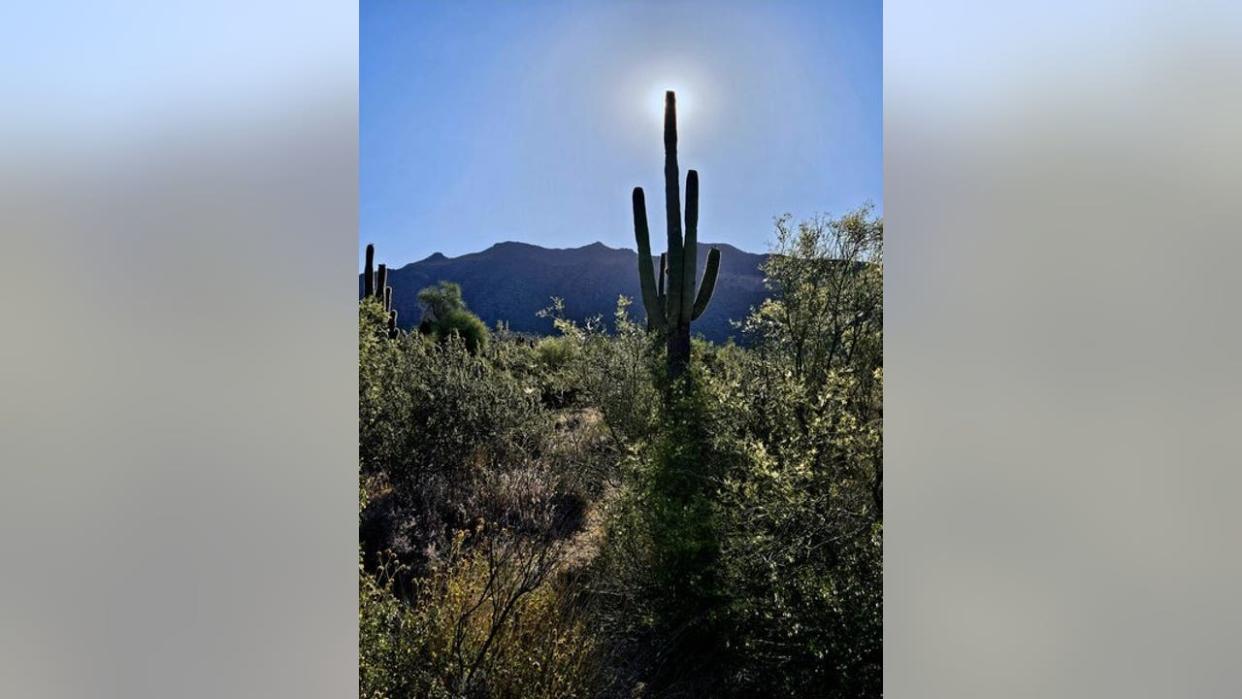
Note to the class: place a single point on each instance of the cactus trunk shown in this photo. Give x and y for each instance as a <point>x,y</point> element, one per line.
<point>672,209</point>
<point>671,301</point>
<point>368,276</point>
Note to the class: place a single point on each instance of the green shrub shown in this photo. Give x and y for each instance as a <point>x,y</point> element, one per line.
<point>555,353</point>
<point>492,622</point>
<point>464,324</point>
<point>613,371</point>
<point>445,316</point>
<point>436,422</point>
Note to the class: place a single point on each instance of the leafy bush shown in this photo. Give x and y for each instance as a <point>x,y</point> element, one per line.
<point>489,623</point>
<point>801,534</point>
<point>471,497</point>
<point>437,422</point>
<point>445,316</point>
<point>615,372</point>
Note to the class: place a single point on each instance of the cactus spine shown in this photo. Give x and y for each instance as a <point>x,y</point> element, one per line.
<point>672,303</point>
<point>368,277</point>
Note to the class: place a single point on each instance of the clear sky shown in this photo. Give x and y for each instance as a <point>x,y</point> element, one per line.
<point>490,121</point>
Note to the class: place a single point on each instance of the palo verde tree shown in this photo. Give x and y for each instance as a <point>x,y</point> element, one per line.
<point>672,303</point>
<point>445,313</point>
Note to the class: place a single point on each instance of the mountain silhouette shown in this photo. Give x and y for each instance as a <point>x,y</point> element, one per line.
<point>512,282</point>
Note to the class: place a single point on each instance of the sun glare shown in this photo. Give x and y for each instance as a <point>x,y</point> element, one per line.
<point>685,102</point>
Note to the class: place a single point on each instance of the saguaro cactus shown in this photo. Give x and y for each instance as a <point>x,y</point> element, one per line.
<point>368,276</point>
<point>375,284</point>
<point>672,303</point>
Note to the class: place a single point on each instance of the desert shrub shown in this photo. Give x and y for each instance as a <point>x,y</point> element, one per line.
<point>437,422</point>
<point>746,558</point>
<point>437,408</point>
<point>472,493</point>
<point>381,369</point>
<point>800,538</point>
<point>801,522</point>
<point>464,324</point>
<point>662,576</point>
<point>614,371</point>
<point>494,619</point>
<point>445,315</point>
<point>825,314</point>
<point>555,358</point>
<point>555,353</point>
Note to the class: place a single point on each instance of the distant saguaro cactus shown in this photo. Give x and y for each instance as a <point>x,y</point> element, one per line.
<point>672,306</point>
<point>368,276</point>
<point>375,285</point>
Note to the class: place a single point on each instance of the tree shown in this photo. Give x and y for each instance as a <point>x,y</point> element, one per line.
<point>445,313</point>
<point>803,518</point>
<point>826,277</point>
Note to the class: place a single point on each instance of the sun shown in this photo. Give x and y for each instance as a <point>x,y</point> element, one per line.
<point>640,102</point>
<point>655,101</point>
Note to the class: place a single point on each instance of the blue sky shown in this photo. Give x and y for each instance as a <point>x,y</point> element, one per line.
<point>490,121</point>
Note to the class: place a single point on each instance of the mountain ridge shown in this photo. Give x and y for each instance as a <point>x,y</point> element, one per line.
<point>512,280</point>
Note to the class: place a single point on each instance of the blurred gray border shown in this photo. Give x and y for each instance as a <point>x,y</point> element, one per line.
<point>178,382</point>
<point>1062,352</point>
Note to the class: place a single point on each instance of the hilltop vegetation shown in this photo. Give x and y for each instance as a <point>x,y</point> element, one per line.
<point>557,517</point>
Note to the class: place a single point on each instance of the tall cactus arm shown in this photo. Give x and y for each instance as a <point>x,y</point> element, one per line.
<point>381,281</point>
<point>709,284</point>
<point>368,278</point>
<point>388,298</point>
<point>690,248</point>
<point>672,209</point>
<point>646,277</point>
